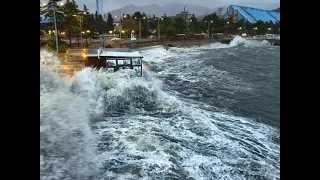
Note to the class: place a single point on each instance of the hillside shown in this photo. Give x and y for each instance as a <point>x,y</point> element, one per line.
<point>170,9</point>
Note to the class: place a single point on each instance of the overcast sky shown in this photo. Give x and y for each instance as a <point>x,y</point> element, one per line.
<point>110,5</point>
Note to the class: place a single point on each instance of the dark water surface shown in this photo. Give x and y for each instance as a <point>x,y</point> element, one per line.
<point>209,112</point>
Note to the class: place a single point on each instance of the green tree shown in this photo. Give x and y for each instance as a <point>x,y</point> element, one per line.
<point>51,6</point>
<point>212,19</point>
<point>48,12</point>
<point>194,25</point>
<point>129,24</point>
<point>167,27</point>
<point>180,25</point>
<point>218,25</point>
<point>153,23</point>
<point>101,25</point>
<point>88,24</point>
<point>71,20</point>
<point>109,22</point>
<point>144,23</point>
<point>127,16</point>
<point>261,27</point>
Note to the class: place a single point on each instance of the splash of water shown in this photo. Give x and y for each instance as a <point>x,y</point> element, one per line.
<point>67,149</point>
<point>103,125</point>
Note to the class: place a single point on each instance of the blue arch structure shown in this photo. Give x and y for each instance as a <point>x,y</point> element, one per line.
<point>252,15</point>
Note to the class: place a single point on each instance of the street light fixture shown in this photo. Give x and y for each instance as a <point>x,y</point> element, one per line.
<point>208,26</point>
<point>227,27</point>
<point>80,16</point>
<point>121,21</point>
<point>269,29</point>
<point>140,27</point>
<point>159,27</point>
<point>239,28</point>
<point>255,30</point>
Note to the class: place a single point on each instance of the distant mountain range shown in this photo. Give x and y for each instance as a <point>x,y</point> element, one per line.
<point>170,10</point>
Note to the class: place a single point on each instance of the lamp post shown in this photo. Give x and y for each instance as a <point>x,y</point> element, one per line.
<point>123,16</point>
<point>55,22</point>
<point>255,30</point>
<point>208,27</point>
<point>80,20</point>
<point>227,27</point>
<point>239,28</point>
<point>159,27</point>
<point>269,29</point>
<point>188,26</point>
<point>123,33</point>
<point>140,27</point>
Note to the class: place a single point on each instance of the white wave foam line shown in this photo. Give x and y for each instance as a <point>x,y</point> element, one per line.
<point>155,54</point>
<point>159,55</point>
<point>231,151</point>
<point>236,41</point>
<point>216,78</point>
<point>149,138</point>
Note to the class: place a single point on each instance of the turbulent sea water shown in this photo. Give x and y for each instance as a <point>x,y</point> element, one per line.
<point>199,113</point>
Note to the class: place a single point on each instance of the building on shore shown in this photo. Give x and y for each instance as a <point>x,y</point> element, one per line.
<point>184,14</point>
<point>252,15</point>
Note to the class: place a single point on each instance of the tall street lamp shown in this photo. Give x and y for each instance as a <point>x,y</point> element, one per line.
<point>55,21</point>
<point>159,27</point>
<point>208,26</point>
<point>188,25</point>
<point>123,16</point>
<point>239,28</point>
<point>255,30</point>
<point>140,27</point>
<point>80,20</point>
<point>227,27</point>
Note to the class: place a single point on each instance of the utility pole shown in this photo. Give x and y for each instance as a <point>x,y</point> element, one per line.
<point>159,30</point>
<point>55,28</point>
<point>140,31</point>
